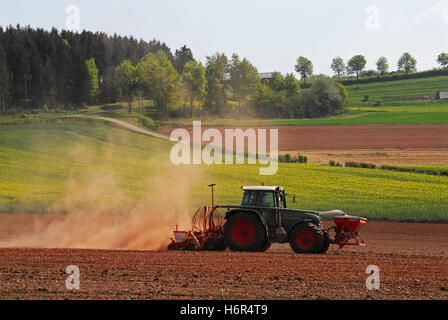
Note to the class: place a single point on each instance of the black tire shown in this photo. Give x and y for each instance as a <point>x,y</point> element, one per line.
<point>326,243</point>
<point>266,246</point>
<point>244,232</point>
<point>216,245</point>
<point>306,238</point>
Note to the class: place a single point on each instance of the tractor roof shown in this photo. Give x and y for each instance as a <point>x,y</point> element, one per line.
<point>263,188</point>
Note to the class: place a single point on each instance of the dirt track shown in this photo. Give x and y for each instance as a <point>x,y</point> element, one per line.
<point>412,258</point>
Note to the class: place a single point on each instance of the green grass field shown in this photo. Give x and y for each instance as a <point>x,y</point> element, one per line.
<point>351,118</point>
<point>40,164</point>
<point>407,93</point>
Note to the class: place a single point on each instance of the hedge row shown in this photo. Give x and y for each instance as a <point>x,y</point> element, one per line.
<point>286,158</point>
<point>416,170</point>
<point>352,164</point>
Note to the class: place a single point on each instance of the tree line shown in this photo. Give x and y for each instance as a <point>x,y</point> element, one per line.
<point>355,66</point>
<point>52,69</point>
<point>64,69</point>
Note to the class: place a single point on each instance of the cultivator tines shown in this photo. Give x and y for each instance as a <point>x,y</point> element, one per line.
<point>206,232</point>
<point>347,230</point>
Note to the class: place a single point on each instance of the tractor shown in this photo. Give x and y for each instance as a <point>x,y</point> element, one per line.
<point>264,218</point>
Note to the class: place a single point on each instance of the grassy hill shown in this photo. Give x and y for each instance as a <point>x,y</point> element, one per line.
<point>411,92</point>
<point>90,163</point>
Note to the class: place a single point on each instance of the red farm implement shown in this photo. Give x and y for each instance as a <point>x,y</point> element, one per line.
<point>206,232</point>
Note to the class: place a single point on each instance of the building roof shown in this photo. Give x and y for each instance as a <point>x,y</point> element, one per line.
<point>262,188</point>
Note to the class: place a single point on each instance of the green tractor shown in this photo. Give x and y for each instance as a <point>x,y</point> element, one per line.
<point>264,218</point>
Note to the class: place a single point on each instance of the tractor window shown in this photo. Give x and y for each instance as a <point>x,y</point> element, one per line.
<point>268,199</point>
<point>249,198</point>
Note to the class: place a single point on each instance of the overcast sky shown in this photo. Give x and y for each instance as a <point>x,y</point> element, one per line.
<point>271,34</point>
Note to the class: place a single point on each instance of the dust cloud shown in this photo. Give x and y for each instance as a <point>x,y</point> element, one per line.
<point>97,211</point>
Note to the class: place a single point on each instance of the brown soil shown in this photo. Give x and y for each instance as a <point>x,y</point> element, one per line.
<point>356,137</point>
<point>412,259</point>
<point>399,157</point>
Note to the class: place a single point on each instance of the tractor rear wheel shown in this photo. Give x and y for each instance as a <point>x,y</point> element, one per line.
<point>244,232</point>
<point>306,238</point>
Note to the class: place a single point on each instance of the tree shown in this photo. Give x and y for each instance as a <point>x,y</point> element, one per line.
<point>159,79</point>
<point>326,97</point>
<point>216,89</point>
<point>181,57</point>
<point>382,66</point>
<point>48,84</point>
<point>407,63</point>
<point>291,85</point>
<point>442,59</point>
<point>193,82</point>
<point>125,76</point>
<point>338,66</point>
<point>5,81</point>
<point>93,76</point>
<point>287,83</point>
<point>304,67</point>
<point>244,79</point>
<point>356,64</point>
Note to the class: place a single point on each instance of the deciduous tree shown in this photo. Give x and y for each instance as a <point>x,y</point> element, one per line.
<point>356,64</point>
<point>304,67</point>
<point>244,79</point>
<point>338,66</point>
<point>382,66</point>
<point>193,82</point>
<point>442,59</point>
<point>407,63</point>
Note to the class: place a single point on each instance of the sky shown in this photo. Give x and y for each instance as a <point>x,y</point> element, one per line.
<point>271,34</point>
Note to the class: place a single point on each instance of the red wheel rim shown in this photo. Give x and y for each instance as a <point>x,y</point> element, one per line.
<point>305,239</point>
<point>243,232</point>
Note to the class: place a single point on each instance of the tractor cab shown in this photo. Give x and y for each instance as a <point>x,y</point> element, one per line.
<point>261,196</point>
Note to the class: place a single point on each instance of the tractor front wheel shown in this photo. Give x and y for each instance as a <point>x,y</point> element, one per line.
<point>244,232</point>
<point>326,242</point>
<point>306,238</point>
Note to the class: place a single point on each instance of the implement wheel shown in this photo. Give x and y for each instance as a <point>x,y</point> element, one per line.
<point>306,238</point>
<point>244,232</point>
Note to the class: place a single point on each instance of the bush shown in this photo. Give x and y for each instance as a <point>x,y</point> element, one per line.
<point>286,158</point>
<point>147,123</point>
<point>351,164</point>
<point>302,159</point>
<point>377,104</point>
<point>334,163</point>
